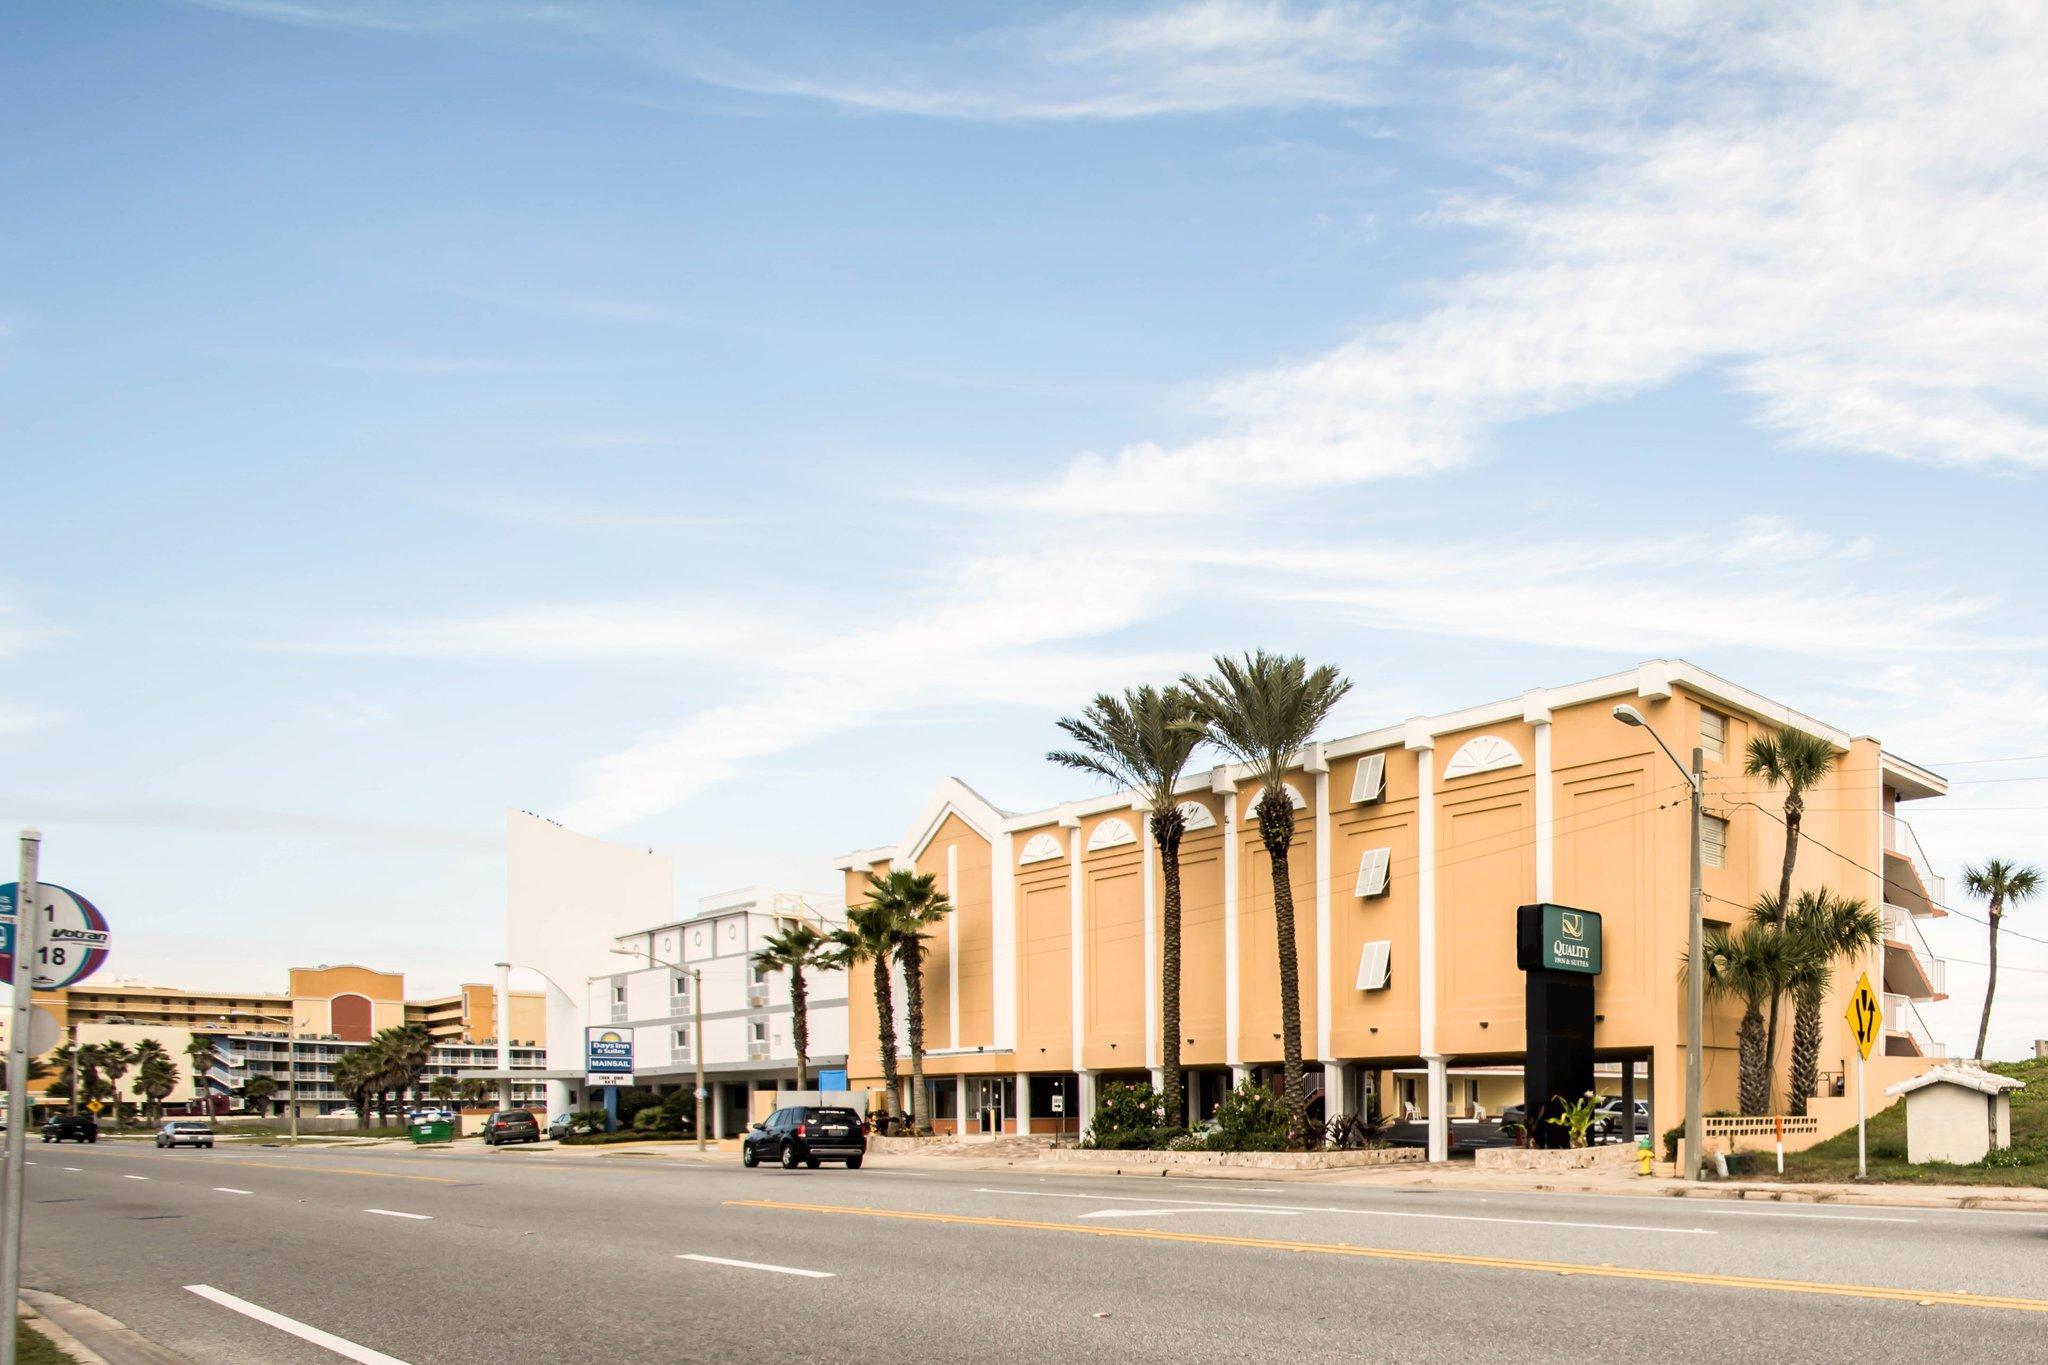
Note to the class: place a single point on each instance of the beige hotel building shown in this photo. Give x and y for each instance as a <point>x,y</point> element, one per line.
<point>1414,843</point>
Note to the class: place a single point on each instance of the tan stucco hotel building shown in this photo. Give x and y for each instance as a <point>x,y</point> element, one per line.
<point>1414,844</point>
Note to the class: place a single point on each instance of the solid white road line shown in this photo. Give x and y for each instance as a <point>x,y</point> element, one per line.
<point>326,1341</point>
<point>226,1189</point>
<point>756,1265</point>
<point>394,1213</point>
<point>1177,1213</point>
<point>1217,1206</point>
<point>74,1168</point>
<point>1715,1205</point>
<point>135,1177</point>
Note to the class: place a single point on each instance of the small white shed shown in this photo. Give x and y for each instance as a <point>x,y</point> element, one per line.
<point>1956,1113</point>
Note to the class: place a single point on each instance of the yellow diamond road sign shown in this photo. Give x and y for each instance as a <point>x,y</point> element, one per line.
<point>1866,1018</point>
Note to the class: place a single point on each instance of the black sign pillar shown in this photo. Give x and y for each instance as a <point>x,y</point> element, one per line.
<point>1558,950</point>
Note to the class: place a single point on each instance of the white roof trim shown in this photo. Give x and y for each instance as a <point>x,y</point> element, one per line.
<point>1969,1077</point>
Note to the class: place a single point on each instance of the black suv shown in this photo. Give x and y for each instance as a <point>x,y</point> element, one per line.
<point>807,1133</point>
<point>510,1125</point>
<point>71,1127</point>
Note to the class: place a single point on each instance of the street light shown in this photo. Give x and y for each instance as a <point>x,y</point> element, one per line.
<point>696,975</point>
<point>1696,966</point>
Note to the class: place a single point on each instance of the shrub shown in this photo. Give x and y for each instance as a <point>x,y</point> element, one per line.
<point>1249,1120</point>
<point>1130,1118</point>
<point>633,1099</point>
<point>648,1119</point>
<point>2018,1155</point>
<point>679,1108</point>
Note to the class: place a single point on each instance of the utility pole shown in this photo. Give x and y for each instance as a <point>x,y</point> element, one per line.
<point>697,1045</point>
<point>1695,991</point>
<point>27,933</point>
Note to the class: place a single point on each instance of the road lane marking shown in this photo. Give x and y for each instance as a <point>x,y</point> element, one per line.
<point>394,1213</point>
<point>229,1189</point>
<point>1568,1268</point>
<point>303,1169</point>
<point>326,1341</point>
<point>135,1177</point>
<point>74,1168</point>
<point>1182,1213</point>
<point>1213,1204</point>
<point>1715,1204</point>
<point>756,1265</point>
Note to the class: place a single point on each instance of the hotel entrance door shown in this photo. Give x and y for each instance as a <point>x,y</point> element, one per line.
<point>987,1096</point>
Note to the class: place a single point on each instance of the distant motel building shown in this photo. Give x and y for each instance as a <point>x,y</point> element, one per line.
<point>1413,845</point>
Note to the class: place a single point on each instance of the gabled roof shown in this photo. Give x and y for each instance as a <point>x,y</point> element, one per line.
<point>1969,1077</point>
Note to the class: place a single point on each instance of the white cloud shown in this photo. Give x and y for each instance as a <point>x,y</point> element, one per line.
<point>348,711</point>
<point>16,719</point>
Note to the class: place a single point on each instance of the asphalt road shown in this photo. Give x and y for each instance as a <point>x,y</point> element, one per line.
<point>491,1256</point>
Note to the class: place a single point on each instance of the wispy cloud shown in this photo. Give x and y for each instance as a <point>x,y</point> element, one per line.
<point>242,821</point>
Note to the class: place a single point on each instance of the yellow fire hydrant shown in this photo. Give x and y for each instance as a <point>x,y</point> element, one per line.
<point>1643,1156</point>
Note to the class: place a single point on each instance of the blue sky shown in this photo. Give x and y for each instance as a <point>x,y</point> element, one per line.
<point>648,415</point>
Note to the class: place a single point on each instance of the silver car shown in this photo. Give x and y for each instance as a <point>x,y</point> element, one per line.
<point>185,1133</point>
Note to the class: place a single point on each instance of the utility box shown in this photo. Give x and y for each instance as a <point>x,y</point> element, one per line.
<point>1957,1114</point>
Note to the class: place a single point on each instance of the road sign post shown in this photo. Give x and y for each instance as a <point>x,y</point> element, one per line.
<point>1866,1022</point>
<point>25,939</point>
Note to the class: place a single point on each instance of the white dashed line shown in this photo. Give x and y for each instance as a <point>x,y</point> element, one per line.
<point>226,1189</point>
<point>326,1341</point>
<point>1216,1206</point>
<point>756,1265</point>
<point>74,1168</point>
<point>394,1213</point>
<point>135,1177</point>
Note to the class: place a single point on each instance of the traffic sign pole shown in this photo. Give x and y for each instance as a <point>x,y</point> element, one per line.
<point>1866,1023</point>
<point>27,936</point>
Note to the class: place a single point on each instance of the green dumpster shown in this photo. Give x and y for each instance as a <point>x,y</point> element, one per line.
<point>433,1130</point>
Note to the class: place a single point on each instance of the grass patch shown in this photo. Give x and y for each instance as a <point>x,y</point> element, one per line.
<point>1834,1161</point>
<point>33,1348</point>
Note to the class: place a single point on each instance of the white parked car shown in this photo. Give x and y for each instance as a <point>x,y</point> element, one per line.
<point>185,1133</point>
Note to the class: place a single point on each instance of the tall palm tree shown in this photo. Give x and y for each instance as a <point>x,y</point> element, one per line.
<point>150,1054</point>
<point>443,1089</point>
<point>870,936</point>
<point>795,950</point>
<point>1753,965</point>
<point>1794,760</point>
<point>257,1092</point>
<point>37,1070</point>
<point>1829,928</point>
<point>2004,884</point>
<point>115,1059</point>
<point>917,906</point>
<point>200,1057</point>
<point>1263,710</point>
<point>402,1052</point>
<point>356,1075</point>
<point>1143,740</point>
<point>475,1091</point>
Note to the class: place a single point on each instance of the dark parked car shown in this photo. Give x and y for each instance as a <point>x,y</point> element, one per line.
<point>70,1128</point>
<point>510,1125</point>
<point>185,1133</point>
<point>808,1133</point>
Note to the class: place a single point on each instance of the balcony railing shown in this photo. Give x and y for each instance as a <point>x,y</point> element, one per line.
<point>757,995</point>
<point>618,1012</point>
<point>1900,839</point>
<point>1900,1016</point>
<point>1902,929</point>
<point>757,1051</point>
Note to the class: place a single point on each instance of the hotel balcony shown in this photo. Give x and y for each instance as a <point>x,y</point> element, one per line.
<point>1909,880</point>
<point>1910,967</point>
<point>1905,1033</point>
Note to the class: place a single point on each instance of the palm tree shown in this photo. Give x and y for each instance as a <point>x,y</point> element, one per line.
<point>796,949</point>
<point>37,1069</point>
<point>443,1089</point>
<point>200,1057</point>
<point>115,1059</point>
<point>1752,965</point>
<point>356,1075</point>
<point>917,905</point>
<point>475,1091</point>
<point>402,1053</point>
<point>1143,741</point>
<point>156,1076</point>
<point>1794,760</point>
<point>150,1062</point>
<point>870,936</point>
<point>1828,928</point>
<point>2003,884</point>
<point>1262,711</point>
<point>257,1092</point>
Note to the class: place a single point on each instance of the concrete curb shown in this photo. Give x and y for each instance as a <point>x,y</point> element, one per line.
<point>91,1336</point>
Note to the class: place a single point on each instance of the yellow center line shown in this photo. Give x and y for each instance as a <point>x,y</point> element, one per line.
<point>1851,1291</point>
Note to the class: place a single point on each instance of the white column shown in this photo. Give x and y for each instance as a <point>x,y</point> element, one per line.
<point>1221,784</point>
<point>716,1099</point>
<point>1315,762</point>
<point>1003,940</point>
<point>1239,1075</point>
<point>1084,1108</point>
<point>959,1107</point>
<point>1538,717</point>
<point>502,1003</point>
<point>953,947</point>
<point>1423,746</point>
<point>1149,882</point>
<point>1439,1109</point>
<point>558,1097</point>
<point>1076,956</point>
<point>1336,1090</point>
<point>1023,1101</point>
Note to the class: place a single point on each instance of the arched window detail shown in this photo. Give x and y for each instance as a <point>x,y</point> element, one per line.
<point>1487,753</point>
<point>1251,807</point>
<point>1111,834</point>
<point>1196,816</point>
<point>1041,848</point>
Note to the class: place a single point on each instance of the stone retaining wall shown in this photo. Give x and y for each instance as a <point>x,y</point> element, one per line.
<point>1263,1161</point>
<point>1612,1157</point>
